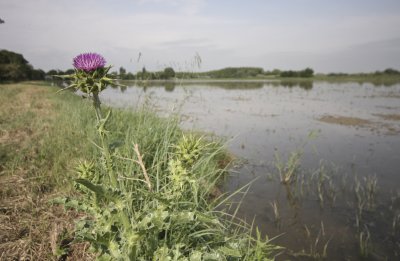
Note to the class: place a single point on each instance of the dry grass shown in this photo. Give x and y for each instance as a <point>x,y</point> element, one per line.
<point>31,228</point>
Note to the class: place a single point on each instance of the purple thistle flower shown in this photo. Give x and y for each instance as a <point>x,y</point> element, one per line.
<point>89,62</point>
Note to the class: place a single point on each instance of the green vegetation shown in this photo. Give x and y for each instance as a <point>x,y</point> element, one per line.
<point>306,73</point>
<point>124,75</point>
<point>387,77</point>
<point>14,67</point>
<point>247,73</point>
<point>168,73</point>
<point>358,198</point>
<point>160,207</point>
<point>232,72</point>
<point>42,136</point>
<point>287,172</point>
<point>289,78</point>
<point>156,207</point>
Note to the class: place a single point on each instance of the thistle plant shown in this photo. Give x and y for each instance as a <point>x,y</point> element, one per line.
<point>152,205</point>
<point>90,77</point>
<point>104,198</point>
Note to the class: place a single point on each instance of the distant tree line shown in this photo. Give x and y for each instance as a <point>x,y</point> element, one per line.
<point>14,67</point>
<point>247,72</point>
<point>388,71</point>
<point>234,72</point>
<point>306,73</point>
<point>167,73</point>
<point>54,72</point>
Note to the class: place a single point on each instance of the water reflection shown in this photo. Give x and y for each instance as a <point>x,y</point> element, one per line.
<point>170,86</point>
<point>306,85</point>
<point>263,118</point>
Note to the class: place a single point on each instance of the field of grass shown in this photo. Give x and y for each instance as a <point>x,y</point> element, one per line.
<point>165,187</point>
<point>42,136</point>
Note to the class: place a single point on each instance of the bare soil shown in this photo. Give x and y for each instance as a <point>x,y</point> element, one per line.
<point>378,127</point>
<point>390,117</point>
<point>343,120</point>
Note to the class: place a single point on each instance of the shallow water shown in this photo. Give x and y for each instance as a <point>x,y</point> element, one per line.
<point>360,141</point>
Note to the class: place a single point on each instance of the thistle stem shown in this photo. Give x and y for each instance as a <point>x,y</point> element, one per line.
<point>104,143</point>
<point>107,155</point>
<point>96,104</point>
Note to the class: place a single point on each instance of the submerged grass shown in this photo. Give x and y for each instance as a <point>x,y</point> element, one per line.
<point>369,218</point>
<point>164,180</point>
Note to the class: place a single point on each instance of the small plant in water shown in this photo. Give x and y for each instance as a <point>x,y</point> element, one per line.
<point>371,185</point>
<point>325,186</point>
<point>365,243</point>
<point>315,252</point>
<point>277,216</point>
<point>287,172</point>
<point>395,224</point>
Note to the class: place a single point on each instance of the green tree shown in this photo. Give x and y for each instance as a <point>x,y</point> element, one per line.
<point>168,73</point>
<point>289,73</point>
<point>70,71</point>
<point>308,72</point>
<point>129,76</point>
<point>37,74</point>
<point>14,67</point>
<point>122,72</point>
<point>52,72</point>
<point>235,72</point>
<point>391,71</point>
<point>143,75</point>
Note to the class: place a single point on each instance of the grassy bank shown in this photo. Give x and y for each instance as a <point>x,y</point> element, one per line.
<point>42,136</point>
<point>45,135</point>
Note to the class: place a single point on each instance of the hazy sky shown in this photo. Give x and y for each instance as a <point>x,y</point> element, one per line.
<point>327,35</point>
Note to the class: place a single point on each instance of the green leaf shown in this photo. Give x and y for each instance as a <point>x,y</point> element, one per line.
<point>230,251</point>
<point>195,256</point>
<point>207,219</point>
<point>212,257</point>
<point>97,189</point>
<point>183,217</point>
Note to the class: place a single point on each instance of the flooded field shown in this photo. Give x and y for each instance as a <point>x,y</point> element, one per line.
<point>323,159</point>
